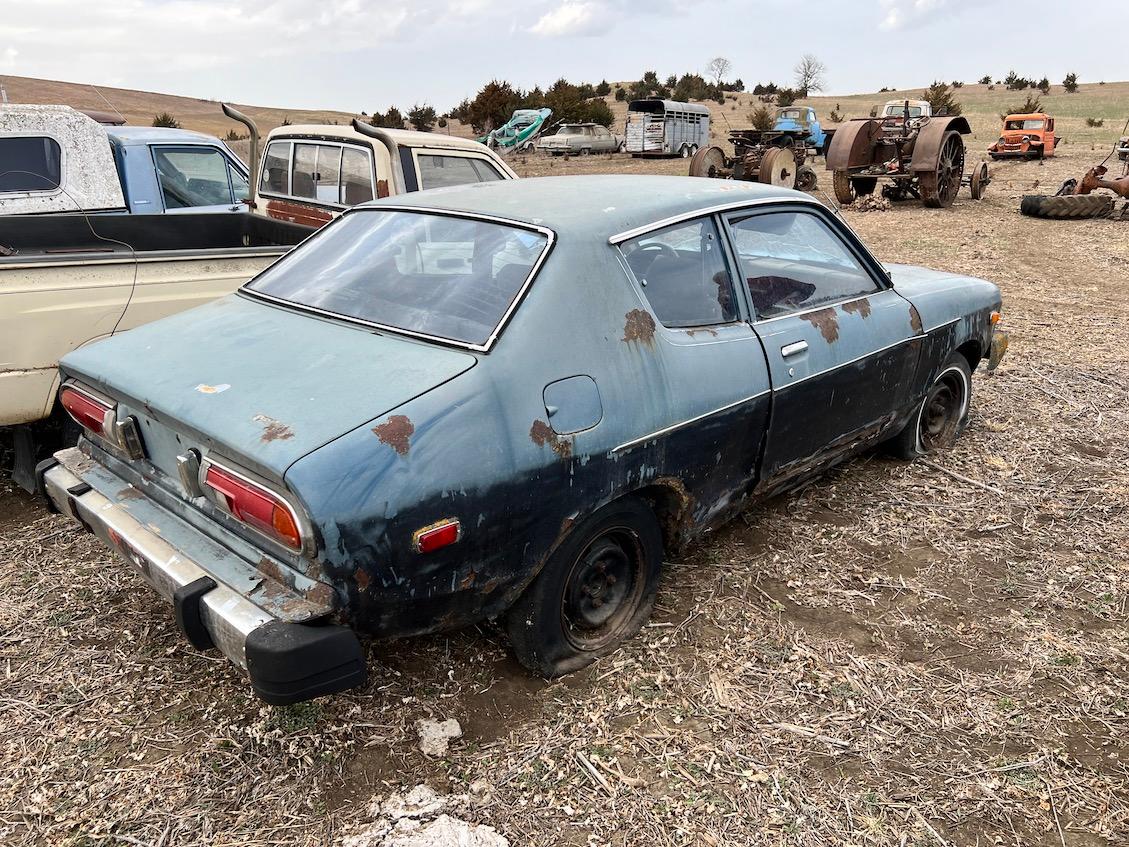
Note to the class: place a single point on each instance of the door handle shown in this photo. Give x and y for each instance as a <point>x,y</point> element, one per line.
<point>794,348</point>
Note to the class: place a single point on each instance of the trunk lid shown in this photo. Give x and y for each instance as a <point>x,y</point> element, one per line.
<point>257,383</point>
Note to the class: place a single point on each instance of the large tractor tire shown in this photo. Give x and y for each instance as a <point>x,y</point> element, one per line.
<point>709,162</point>
<point>939,187</point>
<point>778,167</point>
<point>1067,206</point>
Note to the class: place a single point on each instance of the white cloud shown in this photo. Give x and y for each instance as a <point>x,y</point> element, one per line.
<point>571,18</point>
<point>907,14</point>
<point>8,57</point>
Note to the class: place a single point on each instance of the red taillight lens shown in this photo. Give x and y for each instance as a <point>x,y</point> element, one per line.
<point>87,412</point>
<point>255,506</point>
<point>437,536</point>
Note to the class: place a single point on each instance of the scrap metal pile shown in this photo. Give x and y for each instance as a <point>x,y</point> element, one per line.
<point>1076,198</point>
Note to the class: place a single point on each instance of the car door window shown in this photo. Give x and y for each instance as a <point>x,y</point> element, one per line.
<point>793,261</point>
<point>193,177</point>
<point>683,274</point>
<point>240,188</point>
<point>437,171</point>
<point>276,168</point>
<point>356,176</point>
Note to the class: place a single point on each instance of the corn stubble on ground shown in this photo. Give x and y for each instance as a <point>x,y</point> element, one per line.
<point>891,656</point>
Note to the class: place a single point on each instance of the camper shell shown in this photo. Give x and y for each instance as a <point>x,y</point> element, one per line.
<point>658,127</point>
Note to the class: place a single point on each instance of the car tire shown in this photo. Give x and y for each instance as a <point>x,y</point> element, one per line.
<point>622,147</point>
<point>584,151</point>
<point>1066,206</point>
<point>941,416</point>
<point>684,152</point>
<point>596,590</point>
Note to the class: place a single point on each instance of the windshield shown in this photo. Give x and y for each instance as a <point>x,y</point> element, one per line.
<point>899,111</point>
<point>790,115</point>
<point>1028,124</point>
<point>572,129</point>
<point>427,274</point>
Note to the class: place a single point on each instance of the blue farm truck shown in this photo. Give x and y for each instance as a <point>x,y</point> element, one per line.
<point>776,156</point>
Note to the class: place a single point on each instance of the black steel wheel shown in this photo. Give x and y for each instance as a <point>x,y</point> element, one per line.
<point>939,187</point>
<point>806,178</point>
<point>596,590</point>
<point>942,415</point>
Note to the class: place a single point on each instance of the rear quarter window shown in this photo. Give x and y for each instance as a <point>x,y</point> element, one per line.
<point>30,163</point>
<point>438,171</point>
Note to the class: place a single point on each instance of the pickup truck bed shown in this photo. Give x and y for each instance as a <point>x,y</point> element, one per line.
<point>69,279</point>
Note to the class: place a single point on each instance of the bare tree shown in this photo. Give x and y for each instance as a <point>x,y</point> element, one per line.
<point>810,74</point>
<point>719,68</point>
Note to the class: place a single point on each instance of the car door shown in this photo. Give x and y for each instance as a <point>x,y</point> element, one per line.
<point>842,345</point>
<point>197,178</point>
<point>708,400</point>
<point>603,140</point>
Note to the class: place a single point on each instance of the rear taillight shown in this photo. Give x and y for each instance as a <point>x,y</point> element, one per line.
<point>87,411</point>
<point>253,504</point>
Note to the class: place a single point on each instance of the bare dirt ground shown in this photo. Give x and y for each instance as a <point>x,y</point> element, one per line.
<point>898,654</point>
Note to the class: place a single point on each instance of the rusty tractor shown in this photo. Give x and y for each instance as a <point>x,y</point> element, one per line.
<point>769,156</point>
<point>921,158</point>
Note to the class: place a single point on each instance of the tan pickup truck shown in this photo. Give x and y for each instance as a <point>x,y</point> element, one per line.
<point>69,279</point>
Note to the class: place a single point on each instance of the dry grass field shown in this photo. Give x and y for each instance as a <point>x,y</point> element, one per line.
<point>932,653</point>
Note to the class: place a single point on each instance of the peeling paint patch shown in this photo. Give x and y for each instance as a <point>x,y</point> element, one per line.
<point>862,307</point>
<point>914,318</point>
<point>396,432</point>
<point>541,434</point>
<point>273,430</point>
<point>826,322</point>
<point>640,326</point>
<point>203,388</point>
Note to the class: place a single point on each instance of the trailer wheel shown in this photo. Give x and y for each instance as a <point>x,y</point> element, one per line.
<point>848,190</point>
<point>778,167</point>
<point>1067,206</point>
<point>939,187</point>
<point>980,180</point>
<point>709,162</point>
<point>806,178</point>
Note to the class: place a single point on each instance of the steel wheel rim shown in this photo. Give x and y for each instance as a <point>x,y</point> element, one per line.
<point>942,411</point>
<point>602,590</point>
<point>950,169</point>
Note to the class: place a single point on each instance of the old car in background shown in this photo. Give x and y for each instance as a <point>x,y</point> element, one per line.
<point>1026,136</point>
<point>309,174</point>
<point>657,127</point>
<point>580,140</point>
<point>503,400</point>
<point>57,159</point>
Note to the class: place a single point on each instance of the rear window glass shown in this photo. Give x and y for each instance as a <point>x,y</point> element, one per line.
<point>444,171</point>
<point>276,168</point>
<point>434,275</point>
<point>30,164</point>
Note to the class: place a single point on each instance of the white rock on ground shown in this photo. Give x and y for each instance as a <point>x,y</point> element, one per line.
<point>417,819</point>
<point>435,736</point>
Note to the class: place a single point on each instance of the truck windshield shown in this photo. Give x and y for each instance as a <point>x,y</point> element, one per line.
<point>438,276</point>
<point>900,110</point>
<point>1027,124</point>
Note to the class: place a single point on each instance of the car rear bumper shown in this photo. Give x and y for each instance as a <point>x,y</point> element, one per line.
<point>270,630</point>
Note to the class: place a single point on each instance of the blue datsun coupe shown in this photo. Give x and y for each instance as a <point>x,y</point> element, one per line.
<point>508,399</point>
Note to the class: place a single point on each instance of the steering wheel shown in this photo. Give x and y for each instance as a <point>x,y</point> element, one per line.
<point>638,257</point>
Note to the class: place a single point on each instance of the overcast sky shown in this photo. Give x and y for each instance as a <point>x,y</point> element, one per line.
<point>368,54</point>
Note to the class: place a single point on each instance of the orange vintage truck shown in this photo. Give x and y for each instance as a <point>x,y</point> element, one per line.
<point>1030,136</point>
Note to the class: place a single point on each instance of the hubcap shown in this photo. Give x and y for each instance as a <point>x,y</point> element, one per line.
<point>602,590</point>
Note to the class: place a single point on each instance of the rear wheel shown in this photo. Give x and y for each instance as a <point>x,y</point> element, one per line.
<point>596,590</point>
<point>942,415</point>
<point>709,162</point>
<point>939,187</point>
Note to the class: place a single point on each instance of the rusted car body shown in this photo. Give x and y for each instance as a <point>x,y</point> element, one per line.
<point>1025,136</point>
<point>641,357</point>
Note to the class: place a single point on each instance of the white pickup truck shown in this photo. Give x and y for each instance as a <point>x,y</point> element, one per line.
<point>69,279</point>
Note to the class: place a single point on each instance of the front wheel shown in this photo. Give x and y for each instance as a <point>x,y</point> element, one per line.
<point>942,415</point>
<point>596,590</point>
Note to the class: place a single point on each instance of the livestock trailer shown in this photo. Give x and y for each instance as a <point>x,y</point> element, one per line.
<point>666,128</point>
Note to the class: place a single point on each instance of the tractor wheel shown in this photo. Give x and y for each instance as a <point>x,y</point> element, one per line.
<point>848,190</point>
<point>980,180</point>
<point>939,187</point>
<point>806,178</point>
<point>709,162</point>
<point>778,167</point>
<point>1067,206</point>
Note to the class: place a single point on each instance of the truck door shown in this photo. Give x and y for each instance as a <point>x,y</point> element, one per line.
<point>840,342</point>
<point>198,178</point>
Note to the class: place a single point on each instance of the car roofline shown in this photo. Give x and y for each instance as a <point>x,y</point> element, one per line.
<point>731,206</point>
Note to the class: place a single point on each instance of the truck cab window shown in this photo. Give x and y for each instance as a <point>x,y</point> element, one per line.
<point>29,163</point>
<point>793,261</point>
<point>683,274</point>
<point>356,176</point>
<point>276,168</point>
<point>441,171</point>
<point>192,177</point>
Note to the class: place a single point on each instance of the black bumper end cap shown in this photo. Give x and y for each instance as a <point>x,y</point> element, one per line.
<point>293,662</point>
<point>186,608</point>
<point>40,486</point>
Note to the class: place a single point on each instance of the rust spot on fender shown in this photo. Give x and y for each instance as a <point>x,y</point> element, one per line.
<point>396,432</point>
<point>862,307</point>
<point>914,318</point>
<point>826,322</point>
<point>270,568</point>
<point>273,430</point>
<point>541,434</point>
<point>640,326</point>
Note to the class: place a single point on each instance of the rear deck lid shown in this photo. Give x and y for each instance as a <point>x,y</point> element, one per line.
<point>256,382</point>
